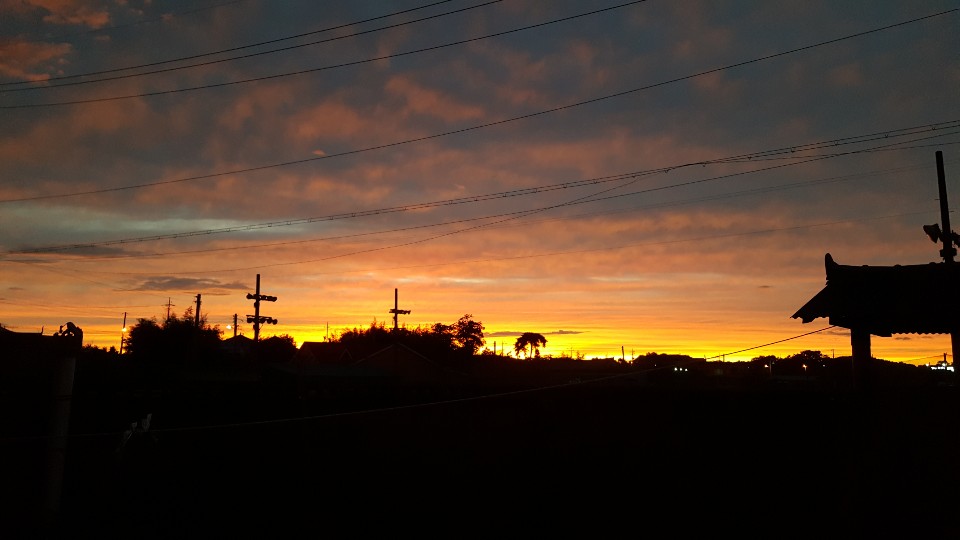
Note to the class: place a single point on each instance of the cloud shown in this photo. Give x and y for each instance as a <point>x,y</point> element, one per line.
<point>203,285</point>
<point>73,12</point>
<point>912,337</point>
<point>31,60</point>
<point>507,333</point>
<point>419,99</point>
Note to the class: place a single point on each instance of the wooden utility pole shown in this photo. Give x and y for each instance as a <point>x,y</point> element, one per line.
<point>234,325</point>
<point>397,311</point>
<point>948,251</point>
<point>196,316</point>
<point>169,305</point>
<point>123,332</point>
<point>256,319</point>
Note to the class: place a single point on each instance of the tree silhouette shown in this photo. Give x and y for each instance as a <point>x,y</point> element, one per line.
<point>464,337</point>
<point>532,340</point>
<point>468,334</point>
<point>176,340</point>
<point>277,348</point>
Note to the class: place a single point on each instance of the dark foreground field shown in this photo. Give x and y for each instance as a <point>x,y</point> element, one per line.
<point>589,458</point>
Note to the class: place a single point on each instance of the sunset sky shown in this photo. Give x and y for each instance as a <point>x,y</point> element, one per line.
<point>657,176</point>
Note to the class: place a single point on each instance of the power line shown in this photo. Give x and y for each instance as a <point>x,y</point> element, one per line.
<point>443,134</point>
<point>619,247</point>
<point>461,42</point>
<point>754,191</point>
<point>772,343</point>
<point>903,132</point>
<point>528,256</point>
<point>743,157</point>
<point>311,70</point>
<point>349,215</point>
<point>512,216</point>
<point>261,53</point>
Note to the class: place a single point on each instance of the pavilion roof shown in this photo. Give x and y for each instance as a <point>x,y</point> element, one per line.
<point>885,300</point>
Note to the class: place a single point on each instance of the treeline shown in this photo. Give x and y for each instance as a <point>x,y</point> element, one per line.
<point>182,339</point>
<point>462,338</point>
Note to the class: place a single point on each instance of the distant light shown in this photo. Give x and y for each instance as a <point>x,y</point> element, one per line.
<point>124,329</point>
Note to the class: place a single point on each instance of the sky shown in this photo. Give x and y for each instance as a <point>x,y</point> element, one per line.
<point>621,177</point>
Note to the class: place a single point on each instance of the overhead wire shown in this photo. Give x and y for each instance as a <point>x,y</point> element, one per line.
<point>247,247</point>
<point>310,70</point>
<point>771,343</point>
<point>231,49</point>
<point>514,215</point>
<point>528,256</point>
<point>461,42</point>
<point>904,132</point>
<point>413,406</point>
<point>380,410</point>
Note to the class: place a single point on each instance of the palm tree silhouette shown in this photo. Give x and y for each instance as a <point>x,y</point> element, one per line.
<point>531,339</point>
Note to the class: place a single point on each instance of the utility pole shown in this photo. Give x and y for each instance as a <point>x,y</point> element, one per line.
<point>397,311</point>
<point>256,319</point>
<point>123,332</point>
<point>949,238</point>
<point>948,252</point>
<point>196,316</point>
<point>234,325</point>
<point>169,305</point>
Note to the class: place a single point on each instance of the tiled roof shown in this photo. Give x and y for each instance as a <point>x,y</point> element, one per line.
<point>885,300</point>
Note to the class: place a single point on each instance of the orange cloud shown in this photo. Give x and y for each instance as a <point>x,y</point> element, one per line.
<point>421,100</point>
<point>31,60</point>
<point>75,12</point>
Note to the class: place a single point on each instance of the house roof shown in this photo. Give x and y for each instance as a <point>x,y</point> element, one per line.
<point>333,359</point>
<point>325,352</point>
<point>885,300</point>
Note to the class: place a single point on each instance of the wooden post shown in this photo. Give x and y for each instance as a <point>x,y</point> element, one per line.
<point>862,357</point>
<point>64,369</point>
